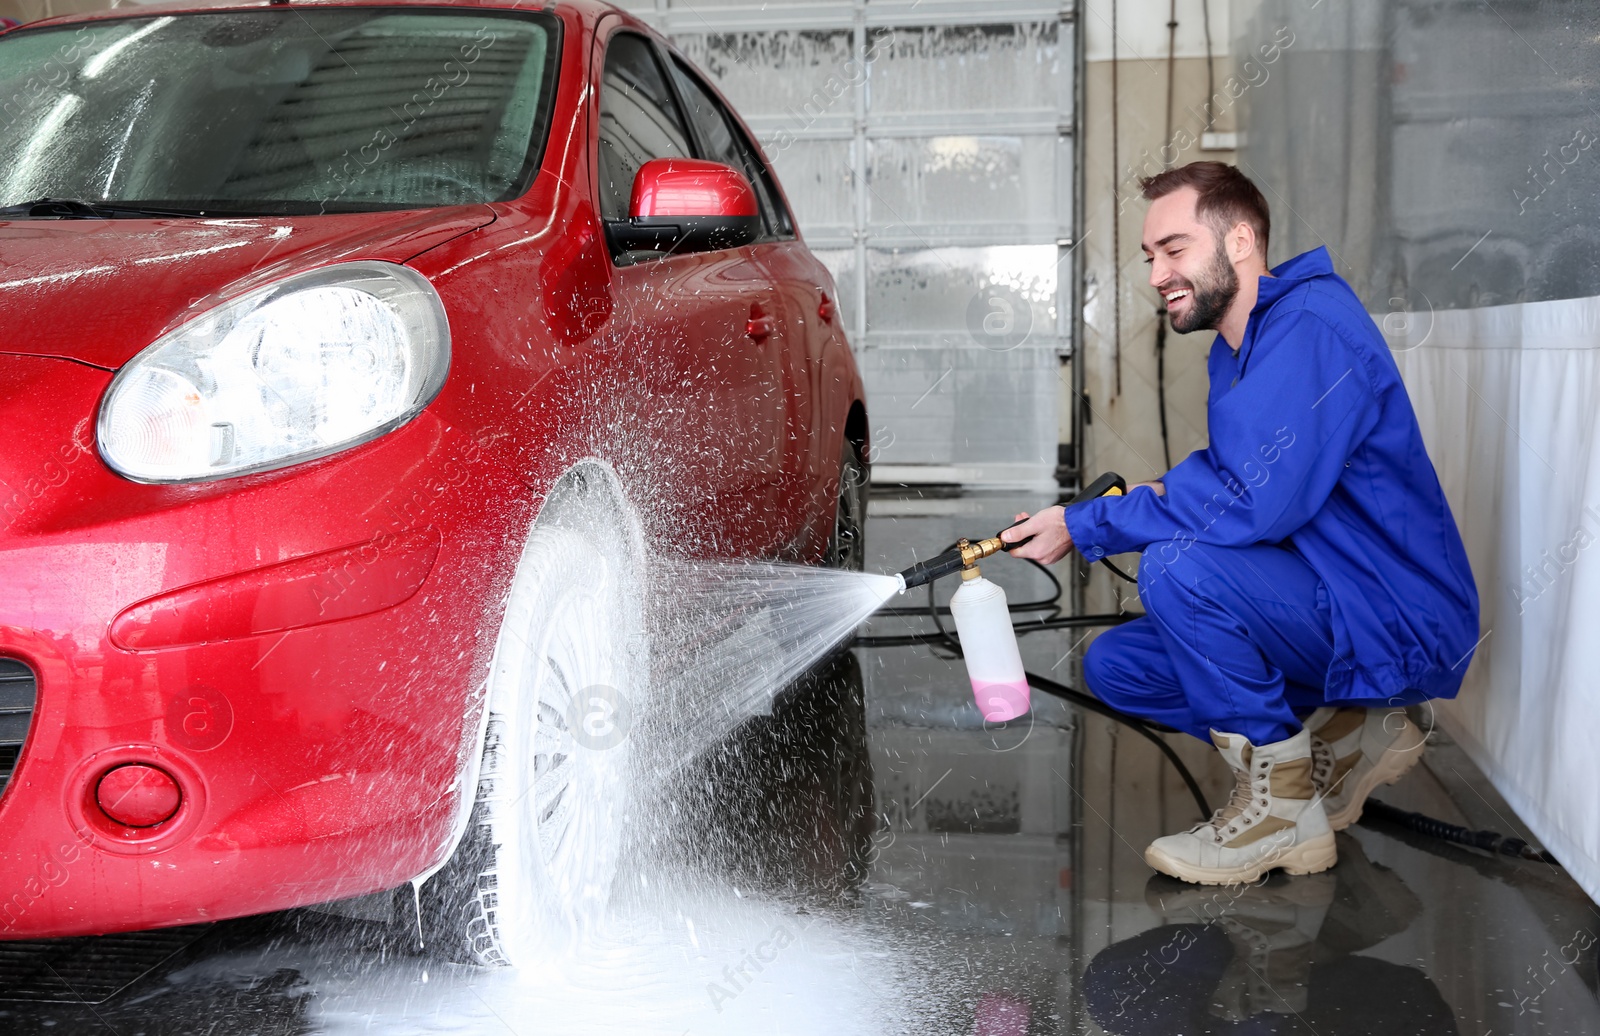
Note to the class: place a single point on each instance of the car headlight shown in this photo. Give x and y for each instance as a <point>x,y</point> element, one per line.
<point>313,364</point>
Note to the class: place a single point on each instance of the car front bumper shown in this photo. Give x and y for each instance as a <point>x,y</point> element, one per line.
<point>300,651</point>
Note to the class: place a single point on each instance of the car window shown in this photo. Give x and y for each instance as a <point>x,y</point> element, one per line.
<point>725,142</point>
<point>277,111</point>
<point>639,120</point>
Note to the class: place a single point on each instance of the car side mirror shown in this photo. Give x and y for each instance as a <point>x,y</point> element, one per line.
<point>687,205</point>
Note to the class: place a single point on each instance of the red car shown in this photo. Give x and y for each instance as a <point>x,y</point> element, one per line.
<point>353,359</point>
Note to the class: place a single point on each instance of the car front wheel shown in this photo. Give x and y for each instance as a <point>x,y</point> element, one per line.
<point>848,545</point>
<point>535,865</point>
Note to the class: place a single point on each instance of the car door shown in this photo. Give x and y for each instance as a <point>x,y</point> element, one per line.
<point>779,401</point>
<point>698,333</point>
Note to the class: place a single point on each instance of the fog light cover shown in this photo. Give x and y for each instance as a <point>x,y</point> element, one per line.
<point>137,795</point>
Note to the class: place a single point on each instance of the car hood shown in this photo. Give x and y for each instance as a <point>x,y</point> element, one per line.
<point>99,291</point>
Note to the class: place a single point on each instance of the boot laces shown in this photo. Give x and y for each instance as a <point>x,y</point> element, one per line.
<point>1322,763</point>
<point>1239,801</point>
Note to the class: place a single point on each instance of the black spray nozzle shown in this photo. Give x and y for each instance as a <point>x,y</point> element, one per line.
<point>933,568</point>
<point>967,553</point>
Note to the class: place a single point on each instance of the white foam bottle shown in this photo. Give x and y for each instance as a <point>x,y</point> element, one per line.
<point>994,664</point>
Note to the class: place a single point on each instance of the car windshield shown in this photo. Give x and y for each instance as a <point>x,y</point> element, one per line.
<point>279,111</point>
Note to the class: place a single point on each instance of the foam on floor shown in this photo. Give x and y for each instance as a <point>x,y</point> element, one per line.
<point>681,962</point>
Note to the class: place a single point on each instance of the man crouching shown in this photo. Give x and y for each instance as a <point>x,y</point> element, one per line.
<point>1302,576</point>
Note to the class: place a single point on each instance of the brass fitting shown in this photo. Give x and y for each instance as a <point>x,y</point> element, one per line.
<point>972,553</point>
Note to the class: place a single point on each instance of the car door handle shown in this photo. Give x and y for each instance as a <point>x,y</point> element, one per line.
<point>759,326</point>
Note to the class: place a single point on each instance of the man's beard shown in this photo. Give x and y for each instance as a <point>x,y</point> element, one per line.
<point>1209,298</point>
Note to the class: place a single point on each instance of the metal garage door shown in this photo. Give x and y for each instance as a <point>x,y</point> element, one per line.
<point>927,148</point>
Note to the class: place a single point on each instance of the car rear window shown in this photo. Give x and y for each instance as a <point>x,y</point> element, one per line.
<point>280,111</point>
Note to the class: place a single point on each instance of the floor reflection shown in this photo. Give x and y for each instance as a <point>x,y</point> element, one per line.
<point>1276,956</point>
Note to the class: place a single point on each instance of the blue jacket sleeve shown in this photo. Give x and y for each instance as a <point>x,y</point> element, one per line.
<point>1280,440</point>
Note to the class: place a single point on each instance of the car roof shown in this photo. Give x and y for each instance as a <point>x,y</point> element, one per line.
<point>588,10</point>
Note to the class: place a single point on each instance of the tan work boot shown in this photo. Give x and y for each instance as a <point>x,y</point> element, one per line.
<point>1355,750</point>
<point>1273,819</point>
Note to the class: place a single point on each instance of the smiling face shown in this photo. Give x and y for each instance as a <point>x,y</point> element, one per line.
<point>1189,263</point>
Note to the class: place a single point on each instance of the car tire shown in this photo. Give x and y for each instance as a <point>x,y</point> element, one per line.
<point>847,546</point>
<point>534,868</point>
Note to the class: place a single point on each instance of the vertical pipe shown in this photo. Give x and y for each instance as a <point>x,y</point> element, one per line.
<point>858,169</point>
<point>1116,217</point>
<point>1172,58</point>
<point>1166,162</point>
<point>1211,81</point>
<point>1080,459</point>
<point>1077,1012</point>
<point>1068,232</point>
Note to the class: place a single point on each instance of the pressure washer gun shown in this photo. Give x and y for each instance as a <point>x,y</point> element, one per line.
<point>983,620</point>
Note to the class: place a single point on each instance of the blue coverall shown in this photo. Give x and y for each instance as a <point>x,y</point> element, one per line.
<point>1307,556</point>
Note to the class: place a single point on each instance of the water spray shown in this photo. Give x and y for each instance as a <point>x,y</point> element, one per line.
<point>983,618</point>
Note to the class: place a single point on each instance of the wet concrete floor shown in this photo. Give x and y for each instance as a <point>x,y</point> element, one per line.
<point>871,858</point>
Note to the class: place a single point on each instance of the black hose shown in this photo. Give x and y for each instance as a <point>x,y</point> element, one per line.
<point>895,640</point>
<point>1488,841</point>
<point>1051,604</point>
<point>1143,727</point>
<point>1075,622</point>
<point>1069,622</point>
<point>1107,562</point>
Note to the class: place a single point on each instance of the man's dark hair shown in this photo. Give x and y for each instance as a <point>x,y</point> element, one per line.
<point>1227,197</point>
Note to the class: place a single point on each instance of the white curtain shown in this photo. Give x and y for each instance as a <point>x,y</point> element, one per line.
<point>1508,398</point>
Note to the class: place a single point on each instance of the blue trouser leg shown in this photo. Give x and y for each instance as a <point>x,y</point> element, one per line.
<point>1234,639</point>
